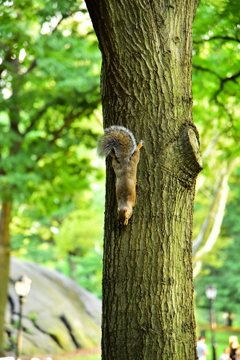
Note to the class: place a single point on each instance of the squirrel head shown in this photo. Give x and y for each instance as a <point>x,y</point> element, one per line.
<point>124,215</point>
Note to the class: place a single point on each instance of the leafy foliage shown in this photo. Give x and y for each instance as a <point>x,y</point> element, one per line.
<point>216,75</point>
<point>216,79</point>
<point>49,124</point>
<point>49,82</point>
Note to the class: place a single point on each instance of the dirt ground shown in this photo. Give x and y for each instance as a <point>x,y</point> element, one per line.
<point>80,352</point>
<point>77,353</point>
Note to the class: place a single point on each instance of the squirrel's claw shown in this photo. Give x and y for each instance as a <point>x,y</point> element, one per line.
<point>140,145</point>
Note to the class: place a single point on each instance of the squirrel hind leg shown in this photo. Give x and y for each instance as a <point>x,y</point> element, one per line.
<point>112,154</point>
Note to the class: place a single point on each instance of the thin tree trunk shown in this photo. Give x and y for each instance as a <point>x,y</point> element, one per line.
<point>212,224</point>
<point>207,153</point>
<point>4,266</point>
<point>211,227</point>
<point>72,266</point>
<point>146,86</point>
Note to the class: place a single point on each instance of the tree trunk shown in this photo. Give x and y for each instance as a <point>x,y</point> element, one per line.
<point>7,201</point>
<point>4,266</point>
<point>146,86</point>
<point>211,227</point>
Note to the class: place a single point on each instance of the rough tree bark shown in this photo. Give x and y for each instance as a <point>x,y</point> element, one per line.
<point>5,217</point>
<point>146,86</point>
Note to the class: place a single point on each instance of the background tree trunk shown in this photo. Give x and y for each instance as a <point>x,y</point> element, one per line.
<point>5,262</point>
<point>146,86</point>
<point>211,227</point>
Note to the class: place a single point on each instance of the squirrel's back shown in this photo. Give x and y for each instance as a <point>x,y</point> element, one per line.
<point>119,140</point>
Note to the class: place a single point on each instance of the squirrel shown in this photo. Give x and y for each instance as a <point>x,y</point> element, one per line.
<point>120,143</point>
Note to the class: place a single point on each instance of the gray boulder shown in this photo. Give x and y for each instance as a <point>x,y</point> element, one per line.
<point>58,315</point>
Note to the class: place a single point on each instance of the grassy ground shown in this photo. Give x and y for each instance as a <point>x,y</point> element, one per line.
<point>221,335</point>
<point>222,332</point>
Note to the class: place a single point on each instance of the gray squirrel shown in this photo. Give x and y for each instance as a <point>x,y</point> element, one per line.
<point>120,143</point>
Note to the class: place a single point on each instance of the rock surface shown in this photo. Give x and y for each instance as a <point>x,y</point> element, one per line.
<point>58,315</point>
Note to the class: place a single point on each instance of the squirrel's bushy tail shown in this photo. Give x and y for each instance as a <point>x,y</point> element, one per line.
<point>117,139</point>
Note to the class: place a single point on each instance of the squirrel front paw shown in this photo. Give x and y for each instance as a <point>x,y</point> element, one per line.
<point>140,145</point>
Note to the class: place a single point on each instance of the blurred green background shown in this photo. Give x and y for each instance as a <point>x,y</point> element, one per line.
<point>50,120</point>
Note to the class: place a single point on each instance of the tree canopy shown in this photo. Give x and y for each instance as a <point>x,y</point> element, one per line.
<point>49,84</point>
<point>216,76</point>
<point>49,123</point>
<point>216,80</point>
